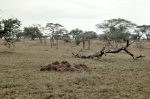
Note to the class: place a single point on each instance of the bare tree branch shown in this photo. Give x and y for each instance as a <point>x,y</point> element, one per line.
<point>103,52</point>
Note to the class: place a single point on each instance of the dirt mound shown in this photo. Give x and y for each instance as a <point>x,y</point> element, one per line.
<point>63,66</point>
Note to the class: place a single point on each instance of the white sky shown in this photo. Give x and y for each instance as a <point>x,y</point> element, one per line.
<point>82,14</point>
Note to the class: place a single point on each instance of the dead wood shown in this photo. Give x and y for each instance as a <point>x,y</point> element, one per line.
<point>103,51</point>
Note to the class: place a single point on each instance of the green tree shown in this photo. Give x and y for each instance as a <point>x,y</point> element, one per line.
<point>145,29</point>
<point>19,35</point>
<point>10,27</point>
<point>139,33</point>
<point>102,37</point>
<point>116,28</point>
<point>53,30</point>
<point>59,34</point>
<point>32,32</point>
<point>76,34</point>
<point>88,36</point>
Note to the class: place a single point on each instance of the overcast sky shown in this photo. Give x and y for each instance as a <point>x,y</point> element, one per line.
<point>82,14</point>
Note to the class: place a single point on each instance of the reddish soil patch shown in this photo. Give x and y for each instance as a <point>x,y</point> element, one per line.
<point>63,66</point>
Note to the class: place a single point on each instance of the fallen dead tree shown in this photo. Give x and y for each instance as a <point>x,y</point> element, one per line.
<point>103,51</point>
<point>91,55</point>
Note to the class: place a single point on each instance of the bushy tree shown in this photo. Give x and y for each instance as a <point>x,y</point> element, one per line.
<point>8,30</point>
<point>59,34</point>
<point>32,32</point>
<point>144,29</point>
<point>116,28</point>
<point>76,34</point>
<point>88,36</point>
<point>54,31</point>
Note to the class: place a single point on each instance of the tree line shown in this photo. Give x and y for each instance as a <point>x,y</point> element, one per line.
<point>115,29</point>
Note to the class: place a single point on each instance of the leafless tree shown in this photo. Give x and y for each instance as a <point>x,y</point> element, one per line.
<point>104,51</point>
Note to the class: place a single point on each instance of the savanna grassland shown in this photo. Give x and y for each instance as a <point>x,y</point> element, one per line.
<point>117,76</point>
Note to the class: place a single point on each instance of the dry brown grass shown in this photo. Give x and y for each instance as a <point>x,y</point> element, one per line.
<point>118,76</point>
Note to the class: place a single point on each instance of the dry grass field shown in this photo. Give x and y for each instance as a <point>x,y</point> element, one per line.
<point>117,76</point>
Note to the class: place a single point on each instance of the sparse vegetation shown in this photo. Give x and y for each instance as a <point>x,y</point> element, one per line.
<point>117,76</point>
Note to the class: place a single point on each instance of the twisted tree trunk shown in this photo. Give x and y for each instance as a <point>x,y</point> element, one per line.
<point>103,52</point>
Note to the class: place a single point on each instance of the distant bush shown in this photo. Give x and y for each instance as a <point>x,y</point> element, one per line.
<point>77,42</point>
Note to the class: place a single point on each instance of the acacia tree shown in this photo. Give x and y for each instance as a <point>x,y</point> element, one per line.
<point>59,33</point>
<point>10,26</point>
<point>19,34</point>
<point>88,36</point>
<point>139,33</point>
<point>76,34</point>
<point>111,26</point>
<point>52,30</point>
<point>32,32</point>
<point>116,29</point>
<point>145,29</point>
